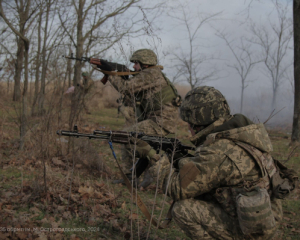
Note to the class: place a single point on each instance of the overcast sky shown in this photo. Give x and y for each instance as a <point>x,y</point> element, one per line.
<point>234,20</point>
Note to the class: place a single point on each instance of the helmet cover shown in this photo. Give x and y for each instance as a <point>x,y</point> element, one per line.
<point>144,56</point>
<point>203,105</point>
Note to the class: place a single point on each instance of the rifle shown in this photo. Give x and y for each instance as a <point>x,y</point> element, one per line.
<point>115,67</point>
<point>171,146</point>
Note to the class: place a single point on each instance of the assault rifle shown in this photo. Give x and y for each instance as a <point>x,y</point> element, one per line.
<point>104,65</point>
<point>172,146</point>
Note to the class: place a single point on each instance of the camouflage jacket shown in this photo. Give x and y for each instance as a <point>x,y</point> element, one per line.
<point>218,162</point>
<point>219,165</point>
<point>142,88</point>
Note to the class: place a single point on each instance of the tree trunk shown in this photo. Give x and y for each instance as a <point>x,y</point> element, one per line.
<point>242,97</point>
<point>41,109</point>
<point>24,99</point>
<point>37,66</point>
<point>74,114</point>
<point>18,70</point>
<point>69,69</point>
<point>274,98</point>
<point>296,119</point>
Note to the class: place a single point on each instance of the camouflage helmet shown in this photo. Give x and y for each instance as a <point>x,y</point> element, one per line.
<point>203,105</point>
<point>144,56</point>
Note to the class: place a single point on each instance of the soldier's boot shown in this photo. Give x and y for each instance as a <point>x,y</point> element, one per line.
<point>148,179</point>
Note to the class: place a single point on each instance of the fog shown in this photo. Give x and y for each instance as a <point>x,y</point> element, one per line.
<point>166,35</point>
<point>234,20</point>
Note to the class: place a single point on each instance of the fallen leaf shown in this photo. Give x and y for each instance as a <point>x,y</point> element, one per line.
<point>42,236</point>
<point>123,205</point>
<point>56,224</point>
<point>35,210</point>
<point>100,185</point>
<point>67,215</point>
<point>8,194</point>
<point>73,237</point>
<point>64,201</point>
<point>4,235</point>
<point>134,216</point>
<point>84,189</point>
<point>115,224</point>
<point>34,215</point>
<point>103,210</point>
<point>85,197</point>
<point>58,162</point>
<point>97,194</point>
<point>61,208</point>
<point>44,220</point>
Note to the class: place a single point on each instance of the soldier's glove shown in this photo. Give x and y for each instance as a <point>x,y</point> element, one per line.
<point>142,148</point>
<point>105,66</point>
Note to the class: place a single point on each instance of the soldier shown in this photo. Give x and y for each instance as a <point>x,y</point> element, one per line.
<point>223,192</point>
<point>151,96</point>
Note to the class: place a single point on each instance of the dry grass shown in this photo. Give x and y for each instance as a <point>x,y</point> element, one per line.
<point>78,173</point>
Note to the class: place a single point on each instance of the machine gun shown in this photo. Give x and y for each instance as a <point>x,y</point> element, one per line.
<point>172,146</point>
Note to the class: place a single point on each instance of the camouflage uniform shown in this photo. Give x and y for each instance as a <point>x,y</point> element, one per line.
<point>144,86</point>
<point>149,94</point>
<point>219,163</point>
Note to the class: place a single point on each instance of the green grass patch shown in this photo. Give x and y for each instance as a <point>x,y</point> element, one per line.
<point>108,118</point>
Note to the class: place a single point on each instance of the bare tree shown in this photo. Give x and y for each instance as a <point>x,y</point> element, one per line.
<point>244,61</point>
<point>296,119</point>
<point>192,65</point>
<point>53,36</point>
<point>95,27</point>
<point>90,17</point>
<point>37,60</point>
<point>26,11</point>
<point>275,45</point>
<point>8,57</point>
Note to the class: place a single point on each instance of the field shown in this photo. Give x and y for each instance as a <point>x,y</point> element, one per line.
<point>61,188</point>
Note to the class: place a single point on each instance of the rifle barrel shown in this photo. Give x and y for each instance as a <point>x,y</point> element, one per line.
<point>124,138</point>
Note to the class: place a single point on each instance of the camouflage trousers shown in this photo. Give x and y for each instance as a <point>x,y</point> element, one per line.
<point>207,220</point>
